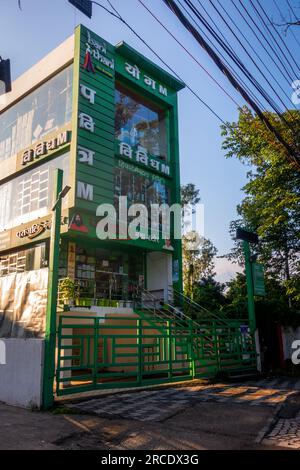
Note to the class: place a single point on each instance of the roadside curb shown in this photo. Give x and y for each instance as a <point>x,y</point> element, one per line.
<point>270,424</point>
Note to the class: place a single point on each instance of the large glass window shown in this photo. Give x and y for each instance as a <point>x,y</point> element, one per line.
<point>44,110</point>
<point>138,122</point>
<point>24,260</point>
<point>29,196</point>
<point>140,188</point>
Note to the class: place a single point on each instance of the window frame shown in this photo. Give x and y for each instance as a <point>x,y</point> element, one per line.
<point>145,98</point>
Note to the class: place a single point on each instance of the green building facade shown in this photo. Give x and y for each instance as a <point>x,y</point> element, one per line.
<point>108,117</point>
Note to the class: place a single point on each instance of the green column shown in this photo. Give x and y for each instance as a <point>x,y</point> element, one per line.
<point>250,290</point>
<point>51,313</point>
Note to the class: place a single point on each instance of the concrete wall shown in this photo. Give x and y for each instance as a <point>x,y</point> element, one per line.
<point>21,377</point>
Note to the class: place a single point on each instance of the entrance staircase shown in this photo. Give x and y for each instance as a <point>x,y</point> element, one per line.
<point>219,344</point>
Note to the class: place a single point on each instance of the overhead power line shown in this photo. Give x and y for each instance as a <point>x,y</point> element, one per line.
<point>221,54</point>
<point>247,52</point>
<point>117,15</point>
<point>292,9</point>
<point>190,54</point>
<point>291,154</point>
<point>257,55</point>
<point>236,60</point>
<point>285,72</point>
<point>284,20</point>
<point>275,40</point>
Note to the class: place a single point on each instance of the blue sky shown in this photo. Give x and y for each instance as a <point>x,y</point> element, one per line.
<point>27,35</point>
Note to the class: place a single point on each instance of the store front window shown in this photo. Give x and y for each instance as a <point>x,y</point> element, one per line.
<point>139,123</point>
<point>103,274</point>
<point>45,110</point>
<point>30,195</point>
<point>24,260</point>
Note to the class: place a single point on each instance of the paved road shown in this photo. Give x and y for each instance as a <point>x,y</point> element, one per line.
<point>186,417</point>
<point>285,433</point>
<point>159,405</point>
<point>177,404</point>
<point>280,383</point>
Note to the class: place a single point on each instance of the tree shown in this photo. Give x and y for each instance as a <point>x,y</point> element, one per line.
<point>271,205</point>
<point>198,261</point>
<point>125,110</point>
<point>210,294</point>
<point>271,308</point>
<point>190,195</point>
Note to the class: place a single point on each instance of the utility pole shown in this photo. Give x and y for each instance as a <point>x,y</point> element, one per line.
<point>51,312</point>
<point>250,288</point>
<point>249,237</point>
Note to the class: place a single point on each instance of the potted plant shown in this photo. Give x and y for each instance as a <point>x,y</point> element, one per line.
<point>67,292</point>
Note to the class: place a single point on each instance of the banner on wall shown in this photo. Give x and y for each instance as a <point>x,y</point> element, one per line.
<point>23,302</point>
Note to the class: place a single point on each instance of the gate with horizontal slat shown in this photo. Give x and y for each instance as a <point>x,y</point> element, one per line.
<point>115,351</point>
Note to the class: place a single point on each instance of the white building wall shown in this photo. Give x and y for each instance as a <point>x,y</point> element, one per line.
<point>21,377</point>
<point>159,272</point>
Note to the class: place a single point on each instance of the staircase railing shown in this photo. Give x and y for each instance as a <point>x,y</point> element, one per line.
<point>182,323</point>
<point>189,305</point>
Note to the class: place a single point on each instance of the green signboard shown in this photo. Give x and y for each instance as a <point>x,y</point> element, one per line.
<point>258,279</point>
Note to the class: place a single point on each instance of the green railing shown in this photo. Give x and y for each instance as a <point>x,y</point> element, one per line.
<point>124,351</point>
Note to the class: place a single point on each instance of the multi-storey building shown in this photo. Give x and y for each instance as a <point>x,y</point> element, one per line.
<point>107,116</point>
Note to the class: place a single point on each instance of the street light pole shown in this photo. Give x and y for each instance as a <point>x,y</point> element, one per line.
<point>51,312</point>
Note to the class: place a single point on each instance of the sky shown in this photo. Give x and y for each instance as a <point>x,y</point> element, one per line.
<point>27,35</point>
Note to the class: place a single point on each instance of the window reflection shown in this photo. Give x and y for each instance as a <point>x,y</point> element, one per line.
<point>44,110</point>
<point>23,260</point>
<point>139,123</point>
<point>139,189</point>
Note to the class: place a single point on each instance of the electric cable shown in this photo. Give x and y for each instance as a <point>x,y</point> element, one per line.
<point>119,17</point>
<point>293,156</point>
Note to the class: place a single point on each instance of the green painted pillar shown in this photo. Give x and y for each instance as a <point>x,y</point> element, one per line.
<point>250,290</point>
<point>51,313</point>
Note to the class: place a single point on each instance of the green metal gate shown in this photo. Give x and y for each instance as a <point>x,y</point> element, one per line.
<point>114,351</point>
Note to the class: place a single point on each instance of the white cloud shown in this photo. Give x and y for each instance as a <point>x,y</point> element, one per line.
<point>226,270</point>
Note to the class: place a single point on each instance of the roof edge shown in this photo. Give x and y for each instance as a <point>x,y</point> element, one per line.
<point>124,49</point>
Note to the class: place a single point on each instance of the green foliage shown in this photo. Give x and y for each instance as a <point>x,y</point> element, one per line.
<point>67,290</point>
<point>271,205</point>
<point>210,294</point>
<point>189,194</point>
<point>198,260</point>
<point>273,306</point>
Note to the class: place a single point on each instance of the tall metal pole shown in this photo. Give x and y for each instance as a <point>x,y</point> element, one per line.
<point>51,313</point>
<point>250,289</point>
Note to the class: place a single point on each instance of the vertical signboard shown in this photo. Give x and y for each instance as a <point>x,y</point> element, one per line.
<point>95,125</point>
<point>71,260</point>
<point>258,279</point>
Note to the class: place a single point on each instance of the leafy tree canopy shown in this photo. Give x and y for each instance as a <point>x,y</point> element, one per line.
<point>271,205</point>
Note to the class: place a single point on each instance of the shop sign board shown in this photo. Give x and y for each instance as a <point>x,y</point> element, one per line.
<point>36,230</point>
<point>43,148</point>
<point>258,279</point>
